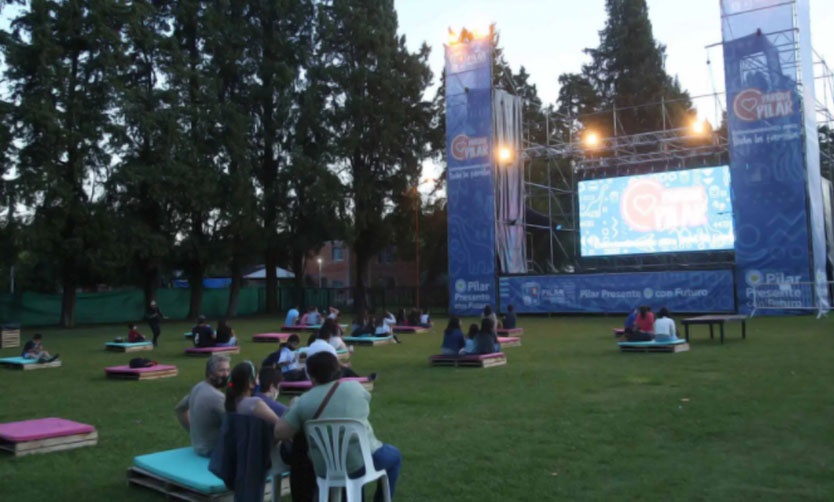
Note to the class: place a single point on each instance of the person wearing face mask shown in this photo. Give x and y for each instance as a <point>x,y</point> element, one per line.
<point>201,411</point>
<point>269,378</point>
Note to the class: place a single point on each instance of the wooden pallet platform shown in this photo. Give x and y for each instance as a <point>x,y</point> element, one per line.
<point>469,361</point>
<point>31,366</point>
<point>50,444</point>
<point>10,338</point>
<point>174,491</point>
<point>154,375</point>
<point>122,348</point>
<point>208,353</point>
<point>666,349</point>
<point>509,341</point>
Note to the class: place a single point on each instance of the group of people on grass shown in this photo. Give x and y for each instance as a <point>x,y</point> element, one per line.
<point>244,390</point>
<point>641,325</point>
<point>310,318</point>
<point>481,339</point>
<point>206,336</point>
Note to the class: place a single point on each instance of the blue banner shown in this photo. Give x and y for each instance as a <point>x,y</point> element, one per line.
<point>470,177</point>
<point>767,128</point>
<point>680,292</point>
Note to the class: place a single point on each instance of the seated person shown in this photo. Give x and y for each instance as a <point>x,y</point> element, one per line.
<point>469,343</point>
<point>385,326</point>
<point>509,318</point>
<point>664,327</point>
<point>303,321</point>
<point>414,317</point>
<point>347,400</point>
<point>332,313</point>
<point>203,334</point>
<point>489,314</point>
<point>401,319</point>
<point>425,319</point>
<point>241,398</point>
<point>133,334</point>
<point>269,389</point>
<point>628,327</point>
<point>34,349</point>
<point>225,336</point>
<point>643,330</point>
<point>362,326</point>
<point>453,341</point>
<point>322,344</point>
<point>201,411</point>
<point>486,341</point>
<point>286,358</point>
<point>292,317</point>
<point>313,317</point>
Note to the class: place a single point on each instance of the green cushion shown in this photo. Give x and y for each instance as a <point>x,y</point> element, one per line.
<point>652,343</point>
<point>183,467</point>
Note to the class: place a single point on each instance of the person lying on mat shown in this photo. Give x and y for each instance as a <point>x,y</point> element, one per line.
<point>34,349</point>
<point>486,341</point>
<point>133,334</point>
<point>643,330</point>
<point>201,411</point>
<point>509,318</point>
<point>241,398</point>
<point>225,336</point>
<point>286,358</point>
<point>203,334</point>
<point>453,341</point>
<point>330,398</point>
<point>469,343</point>
<point>664,327</point>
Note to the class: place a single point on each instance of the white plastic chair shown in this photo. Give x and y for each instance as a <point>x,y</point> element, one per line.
<point>332,438</point>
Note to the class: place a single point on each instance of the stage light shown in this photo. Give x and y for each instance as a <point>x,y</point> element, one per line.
<point>700,126</point>
<point>591,139</point>
<point>505,154</point>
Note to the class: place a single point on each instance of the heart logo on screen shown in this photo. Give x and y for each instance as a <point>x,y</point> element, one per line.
<point>645,204</point>
<point>749,104</point>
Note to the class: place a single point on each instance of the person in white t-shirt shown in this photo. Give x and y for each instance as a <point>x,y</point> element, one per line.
<point>664,327</point>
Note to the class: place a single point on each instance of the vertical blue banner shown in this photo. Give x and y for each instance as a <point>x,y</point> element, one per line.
<point>767,146</point>
<point>470,183</point>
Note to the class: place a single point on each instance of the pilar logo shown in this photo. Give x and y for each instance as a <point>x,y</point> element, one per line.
<point>466,148</point>
<point>648,206</point>
<point>751,105</point>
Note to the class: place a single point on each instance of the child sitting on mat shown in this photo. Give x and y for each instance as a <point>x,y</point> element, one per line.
<point>34,350</point>
<point>469,343</point>
<point>133,334</point>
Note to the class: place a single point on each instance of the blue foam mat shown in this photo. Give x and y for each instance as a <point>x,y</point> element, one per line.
<point>126,344</point>
<point>182,466</point>
<point>18,360</point>
<point>653,343</point>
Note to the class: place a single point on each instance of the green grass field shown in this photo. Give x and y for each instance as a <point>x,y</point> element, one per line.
<point>569,417</point>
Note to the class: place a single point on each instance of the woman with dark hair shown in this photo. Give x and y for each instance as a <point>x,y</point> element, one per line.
<point>331,398</point>
<point>453,341</point>
<point>270,380</point>
<point>469,343</point>
<point>664,327</point>
<point>225,334</point>
<point>240,393</point>
<point>643,326</point>
<point>489,314</point>
<point>486,341</point>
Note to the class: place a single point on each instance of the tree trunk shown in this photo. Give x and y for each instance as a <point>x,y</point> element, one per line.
<point>298,281</point>
<point>68,299</point>
<point>234,289</point>
<point>150,282</point>
<point>359,298</point>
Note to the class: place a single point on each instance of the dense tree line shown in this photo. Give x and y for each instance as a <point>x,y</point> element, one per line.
<point>145,136</point>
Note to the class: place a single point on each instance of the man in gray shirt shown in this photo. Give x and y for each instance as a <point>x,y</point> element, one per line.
<point>201,411</point>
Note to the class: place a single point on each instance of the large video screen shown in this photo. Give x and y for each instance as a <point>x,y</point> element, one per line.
<point>671,212</point>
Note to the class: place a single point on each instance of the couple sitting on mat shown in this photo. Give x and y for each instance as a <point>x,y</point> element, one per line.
<point>641,326</point>
<point>205,336</point>
<point>382,326</point>
<point>478,341</point>
<point>34,349</point>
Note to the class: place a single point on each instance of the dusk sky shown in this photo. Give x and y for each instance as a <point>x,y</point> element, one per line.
<point>548,36</point>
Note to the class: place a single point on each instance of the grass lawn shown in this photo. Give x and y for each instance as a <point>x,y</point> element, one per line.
<point>568,418</point>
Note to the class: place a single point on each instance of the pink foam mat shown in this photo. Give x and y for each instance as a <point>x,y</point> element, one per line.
<point>306,384</point>
<point>42,428</point>
<point>470,357</point>
<point>508,339</point>
<point>150,369</point>
<point>514,330</point>
<point>202,350</point>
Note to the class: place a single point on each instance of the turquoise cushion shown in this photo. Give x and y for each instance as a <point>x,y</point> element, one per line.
<point>651,344</point>
<point>18,360</point>
<point>182,466</point>
<point>366,338</point>
<point>125,344</point>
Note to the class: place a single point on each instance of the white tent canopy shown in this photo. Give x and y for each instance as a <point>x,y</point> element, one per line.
<point>280,273</point>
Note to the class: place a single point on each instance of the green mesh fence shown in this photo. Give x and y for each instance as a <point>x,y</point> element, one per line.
<point>34,309</point>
